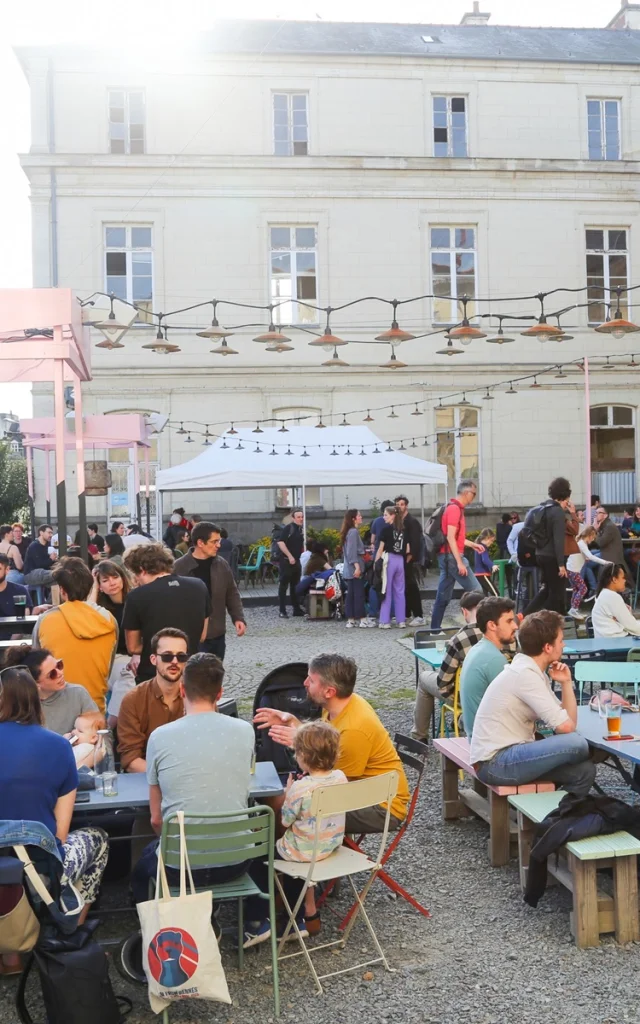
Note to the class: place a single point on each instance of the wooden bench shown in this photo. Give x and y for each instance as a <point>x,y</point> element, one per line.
<point>487,802</point>
<point>595,911</point>
<point>319,607</point>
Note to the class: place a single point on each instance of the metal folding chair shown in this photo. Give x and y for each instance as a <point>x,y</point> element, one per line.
<point>609,673</point>
<point>342,863</point>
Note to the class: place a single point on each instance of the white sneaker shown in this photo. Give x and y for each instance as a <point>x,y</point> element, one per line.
<point>574,613</point>
<point>417,620</point>
<point>384,625</point>
<point>402,625</point>
<point>364,623</point>
<point>350,623</point>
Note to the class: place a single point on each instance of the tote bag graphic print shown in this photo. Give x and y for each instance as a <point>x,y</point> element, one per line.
<point>173,957</point>
<point>180,952</point>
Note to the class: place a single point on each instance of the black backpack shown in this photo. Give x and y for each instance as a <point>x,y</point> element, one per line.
<point>533,535</point>
<point>434,538</point>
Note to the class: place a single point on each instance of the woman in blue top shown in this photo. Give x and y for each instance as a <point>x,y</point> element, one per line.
<point>484,567</point>
<point>38,782</point>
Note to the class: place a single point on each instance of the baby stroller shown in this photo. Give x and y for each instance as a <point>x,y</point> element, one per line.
<point>283,689</point>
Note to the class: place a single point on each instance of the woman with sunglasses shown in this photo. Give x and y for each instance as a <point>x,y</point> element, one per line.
<point>112,585</point>
<point>38,783</point>
<point>61,701</point>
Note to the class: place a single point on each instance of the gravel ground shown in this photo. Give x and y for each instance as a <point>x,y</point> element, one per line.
<point>483,957</point>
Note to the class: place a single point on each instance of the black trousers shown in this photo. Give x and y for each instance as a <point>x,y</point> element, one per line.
<point>552,594</point>
<point>289,578</point>
<point>412,591</point>
<point>214,645</point>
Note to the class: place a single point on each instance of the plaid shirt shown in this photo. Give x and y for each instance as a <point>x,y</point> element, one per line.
<point>455,652</point>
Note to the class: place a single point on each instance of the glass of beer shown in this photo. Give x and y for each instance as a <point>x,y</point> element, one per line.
<point>20,604</point>
<point>614,719</point>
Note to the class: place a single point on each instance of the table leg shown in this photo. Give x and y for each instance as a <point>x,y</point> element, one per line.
<point>525,841</point>
<point>499,829</point>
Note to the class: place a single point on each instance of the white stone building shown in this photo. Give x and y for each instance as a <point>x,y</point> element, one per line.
<point>334,161</point>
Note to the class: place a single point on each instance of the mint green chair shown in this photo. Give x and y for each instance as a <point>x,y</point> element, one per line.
<point>618,674</point>
<point>252,569</point>
<point>228,837</point>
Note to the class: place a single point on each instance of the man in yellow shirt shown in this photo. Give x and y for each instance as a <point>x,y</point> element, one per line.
<point>365,745</point>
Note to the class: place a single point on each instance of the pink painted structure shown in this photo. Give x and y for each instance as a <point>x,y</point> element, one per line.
<point>42,338</point>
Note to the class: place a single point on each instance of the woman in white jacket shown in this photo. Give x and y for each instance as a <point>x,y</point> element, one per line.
<point>575,564</point>
<point>611,616</point>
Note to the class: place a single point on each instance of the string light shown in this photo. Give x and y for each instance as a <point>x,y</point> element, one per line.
<point>335,360</point>
<point>488,397</point>
<point>274,452</point>
<point>416,411</point>
<point>393,414</point>
<point>257,429</point>
<point>283,429</point>
<point>232,431</point>
<point>344,421</point>
<point>535,383</point>
<point>368,418</point>
<point>512,390</point>
<point>305,454</point>
<point>320,425</point>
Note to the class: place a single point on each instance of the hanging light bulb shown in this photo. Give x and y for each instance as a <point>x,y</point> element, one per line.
<point>561,372</point>
<point>224,444</point>
<point>224,350</point>
<point>182,430</point>
<point>344,421</point>
<point>232,431</point>
<point>278,346</point>
<point>288,451</point>
<point>389,449</point>
<point>109,344</point>
<point>215,331</point>
<point>395,334</point>
<point>239,447</point>
<point>334,452</point>
<point>393,363</point>
<point>347,452</point>
<point>512,390</point>
<point>402,447</point>
<point>488,397</point>
<point>416,412</point>
<point>189,439</point>
<point>465,333</point>
<point>207,433</point>
<point>393,414</point>
<point>257,429</point>
<point>320,425</point>
<point>283,429</point>
<point>258,450</point>
<point>273,452</point>
<point>633,365</point>
<point>414,445</point>
<point>368,418</point>
<point>305,454</point>
<point>425,443</point>
<point>542,330</point>
<point>535,383</point>
<point>335,360</point>
<point>450,350</point>
<point>363,451</point>
<point>328,339</point>
<point>500,338</point>
<point>617,327</point>
<point>465,400</point>
<point>161,346</point>
<point>376,450</point>
<point>111,323</point>
<point>206,443</point>
<point>272,336</point>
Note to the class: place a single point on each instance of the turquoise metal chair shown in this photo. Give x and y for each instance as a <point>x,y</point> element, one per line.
<point>253,567</point>
<point>618,674</point>
<point>221,839</point>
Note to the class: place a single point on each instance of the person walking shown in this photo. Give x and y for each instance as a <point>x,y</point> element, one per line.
<point>353,570</point>
<point>161,599</point>
<point>290,547</point>
<point>547,525</point>
<point>454,567</point>
<point>393,544</point>
<point>204,562</point>
<point>413,529</point>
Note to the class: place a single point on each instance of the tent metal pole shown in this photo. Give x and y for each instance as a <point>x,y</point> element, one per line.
<point>422,505</point>
<point>304,515</point>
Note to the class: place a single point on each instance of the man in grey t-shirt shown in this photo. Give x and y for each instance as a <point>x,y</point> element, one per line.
<point>198,764</point>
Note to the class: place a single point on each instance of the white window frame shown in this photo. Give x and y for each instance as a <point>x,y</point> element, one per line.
<point>129,249</point>
<point>290,143</point>
<point>127,120</point>
<point>610,425</point>
<point>609,297</point>
<point>455,304</point>
<point>131,515</point>
<point>603,100</point>
<point>278,313</point>
<point>448,99</point>
<point>455,429</point>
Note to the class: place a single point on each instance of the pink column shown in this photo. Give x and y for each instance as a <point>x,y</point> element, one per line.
<point>587,453</point>
<point>82,501</point>
<point>58,398</point>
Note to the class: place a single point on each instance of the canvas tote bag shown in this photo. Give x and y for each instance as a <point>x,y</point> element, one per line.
<point>180,953</point>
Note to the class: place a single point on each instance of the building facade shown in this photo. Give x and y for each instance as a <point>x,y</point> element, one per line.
<point>319,162</point>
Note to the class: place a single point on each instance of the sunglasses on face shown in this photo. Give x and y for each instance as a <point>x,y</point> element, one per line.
<point>168,657</point>
<point>55,672</point>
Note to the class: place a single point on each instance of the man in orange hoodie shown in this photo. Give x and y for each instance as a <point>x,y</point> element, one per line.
<point>78,631</point>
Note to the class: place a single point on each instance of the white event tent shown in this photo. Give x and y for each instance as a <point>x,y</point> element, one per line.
<point>303,456</point>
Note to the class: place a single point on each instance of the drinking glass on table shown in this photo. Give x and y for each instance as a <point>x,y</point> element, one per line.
<point>110,783</point>
<point>614,719</point>
<point>440,644</point>
<point>20,604</point>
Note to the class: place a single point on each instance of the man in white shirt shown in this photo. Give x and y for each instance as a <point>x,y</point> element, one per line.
<point>504,750</point>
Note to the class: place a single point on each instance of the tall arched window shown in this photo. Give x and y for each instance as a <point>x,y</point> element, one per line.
<point>613,453</point>
<point>458,444</point>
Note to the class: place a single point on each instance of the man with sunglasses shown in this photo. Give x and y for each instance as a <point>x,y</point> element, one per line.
<point>155,702</point>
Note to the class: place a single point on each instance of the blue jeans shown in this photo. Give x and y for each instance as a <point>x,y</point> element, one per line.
<point>589,575</point>
<point>563,758</point>
<point>449,576</point>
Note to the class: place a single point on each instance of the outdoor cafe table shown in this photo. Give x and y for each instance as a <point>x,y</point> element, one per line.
<point>430,656</point>
<point>28,621</point>
<point>612,645</point>
<point>593,728</point>
<point>133,790</point>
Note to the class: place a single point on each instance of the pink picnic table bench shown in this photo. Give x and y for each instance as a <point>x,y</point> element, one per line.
<point>487,802</point>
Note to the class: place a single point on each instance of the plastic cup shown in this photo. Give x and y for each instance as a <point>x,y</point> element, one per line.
<point>110,783</point>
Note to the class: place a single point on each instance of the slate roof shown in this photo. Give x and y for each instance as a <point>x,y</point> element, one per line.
<point>460,42</point>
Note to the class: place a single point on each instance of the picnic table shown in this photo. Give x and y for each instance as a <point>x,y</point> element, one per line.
<point>28,621</point>
<point>611,644</point>
<point>133,790</point>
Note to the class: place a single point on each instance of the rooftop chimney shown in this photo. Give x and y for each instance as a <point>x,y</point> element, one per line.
<point>476,16</point>
<point>628,17</point>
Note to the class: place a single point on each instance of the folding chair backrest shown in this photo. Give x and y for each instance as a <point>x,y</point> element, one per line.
<point>607,672</point>
<point>428,637</point>
<point>412,753</point>
<point>222,838</point>
<point>354,796</point>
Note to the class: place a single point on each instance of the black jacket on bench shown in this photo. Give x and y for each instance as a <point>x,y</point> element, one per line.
<point>575,818</point>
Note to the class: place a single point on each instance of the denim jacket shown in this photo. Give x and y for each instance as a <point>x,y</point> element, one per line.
<point>29,833</point>
<point>65,909</point>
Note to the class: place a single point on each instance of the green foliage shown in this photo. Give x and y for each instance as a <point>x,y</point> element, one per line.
<point>14,494</point>
<point>329,537</point>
